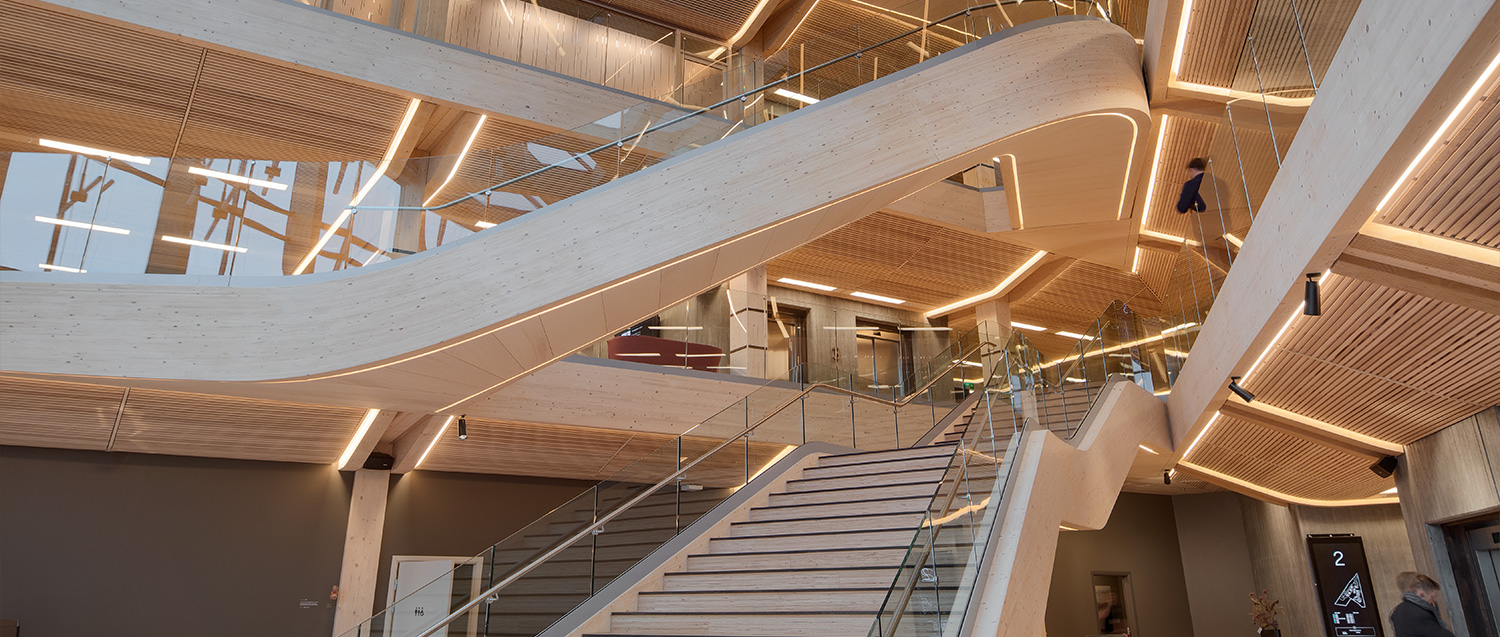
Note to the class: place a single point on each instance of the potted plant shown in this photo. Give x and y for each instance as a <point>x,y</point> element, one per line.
<point>1264,617</point>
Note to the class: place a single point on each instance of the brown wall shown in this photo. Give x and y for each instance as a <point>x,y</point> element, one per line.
<point>122,544</point>
<point>461,514</point>
<point>1215,563</point>
<point>1141,538</point>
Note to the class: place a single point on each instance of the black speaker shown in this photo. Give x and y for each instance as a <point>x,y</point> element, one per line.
<point>380,461</point>
<point>1384,467</point>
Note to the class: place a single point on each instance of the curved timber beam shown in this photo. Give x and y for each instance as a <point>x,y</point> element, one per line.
<point>441,330</point>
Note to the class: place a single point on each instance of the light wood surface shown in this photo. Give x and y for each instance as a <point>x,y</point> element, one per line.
<point>1323,195</point>
<point>362,539</point>
<point>1441,272</point>
<point>658,244</point>
<point>1308,429</point>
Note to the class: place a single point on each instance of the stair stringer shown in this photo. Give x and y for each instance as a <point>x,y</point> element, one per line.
<point>1055,483</point>
<point>593,615</point>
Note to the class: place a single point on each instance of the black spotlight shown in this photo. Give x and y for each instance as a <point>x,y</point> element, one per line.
<point>1384,467</point>
<point>463,428</point>
<point>1166,476</point>
<point>1234,386</point>
<point>1313,305</point>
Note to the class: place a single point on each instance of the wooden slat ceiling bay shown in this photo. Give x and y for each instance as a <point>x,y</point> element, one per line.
<point>1288,464</point>
<point>72,79</point>
<point>1456,193</point>
<point>39,413</point>
<point>718,19</point>
<point>1216,53</point>
<point>1384,363</point>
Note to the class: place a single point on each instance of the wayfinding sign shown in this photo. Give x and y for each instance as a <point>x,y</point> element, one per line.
<point>1345,591</point>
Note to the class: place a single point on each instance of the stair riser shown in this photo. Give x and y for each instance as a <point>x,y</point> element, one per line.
<point>895,454</point>
<point>788,625</point>
<point>752,601</point>
<point>732,562</point>
<point>782,527</point>
<point>864,481</point>
<point>810,542</point>
<point>861,469</point>
<point>794,580</point>
<point>785,499</point>
<point>906,505</point>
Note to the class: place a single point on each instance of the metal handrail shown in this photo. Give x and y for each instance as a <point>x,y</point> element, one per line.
<point>561,546</point>
<point>741,97</point>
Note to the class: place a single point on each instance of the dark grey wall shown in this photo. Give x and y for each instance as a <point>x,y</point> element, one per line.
<point>1215,563</point>
<point>460,514</point>
<point>119,544</point>
<point>1141,539</point>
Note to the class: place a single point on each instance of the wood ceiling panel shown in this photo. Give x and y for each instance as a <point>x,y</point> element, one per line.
<point>186,424</point>
<point>1384,363</point>
<point>1456,193</point>
<point>1286,463</point>
<point>1216,53</point>
<point>36,413</point>
<point>65,78</point>
<point>718,19</point>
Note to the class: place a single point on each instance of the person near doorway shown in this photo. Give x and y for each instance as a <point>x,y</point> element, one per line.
<point>1417,614</point>
<point>1190,199</point>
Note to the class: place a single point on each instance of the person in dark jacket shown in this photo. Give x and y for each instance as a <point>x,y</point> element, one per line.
<point>1190,199</point>
<point>1417,614</point>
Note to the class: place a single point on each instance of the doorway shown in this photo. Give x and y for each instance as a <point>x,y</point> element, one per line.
<point>883,358</point>
<point>1114,604</point>
<point>786,342</point>
<point>1474,552</point>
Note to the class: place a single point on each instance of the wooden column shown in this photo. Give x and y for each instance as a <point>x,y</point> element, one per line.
<point>747,332</point>
<point>361,550</point>
<point>995,313</point>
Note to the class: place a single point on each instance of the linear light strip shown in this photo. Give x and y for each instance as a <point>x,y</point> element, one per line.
<point>1278,495</point>
<point>79,224</point>
<point>204,244</point>
<point>385,164</point>
<point>61,268</point>
<point>806,284</point>
<point>1028,326</point>
<point>85,150</point>
<point>877,297</point>
<point>1182,29</point>
<point>239,179</point>
<point>434,442</point>
<point>463,154</point>
<point>1014,276</point>
<point>359,435</point>
<point>1452,117</point>
<point>793,95</point>
<point>1161,134</point>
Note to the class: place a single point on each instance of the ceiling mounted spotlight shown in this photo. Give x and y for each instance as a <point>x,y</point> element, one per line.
<point>1312,303</point>
<point>1166,476</point>
<point>463,428</point>
<point>1234,386</point>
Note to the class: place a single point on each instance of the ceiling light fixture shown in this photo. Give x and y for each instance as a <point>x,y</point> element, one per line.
<point>805,284</point>
<point>204,244</point>
<point>1175,353</point>
<point>1209,425</point>
<point>1182,29</point>
<point>1179,328</point>
<point>1135,266</point>
<point>1004,286</point>
<point>483,225</point>
<point>463,428</point>
<point>1233,240</point>
<point>385,164</point>
<point>434,442</point>
<point>1276,339</point>
<point>1027,326</point>
<point>1166,477</point>
<point>1082,337</point>
<point>1149,450</point>
<point>638,354</point>
<point>359,435</point>
<point>1234,386</point>
<point>793,95</point>
<point>877,297</point>
<point>925,329</point>
<point>671,328</point>
<point>1458,109</point>
<point>222,176</point>
<point>727,367</point>
<point>1161,134</point>
<point>460,161</point>
<point>60,268</point>
<point>1312,303</point>
<point>85,150</point>
<point>701,355</point>
<point>79,224</point>
<point>1072,379</point>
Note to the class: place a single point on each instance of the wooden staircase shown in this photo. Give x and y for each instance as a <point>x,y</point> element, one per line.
<point>817,560</point>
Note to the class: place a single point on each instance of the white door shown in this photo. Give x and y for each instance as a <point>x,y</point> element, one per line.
<point>424,590</point>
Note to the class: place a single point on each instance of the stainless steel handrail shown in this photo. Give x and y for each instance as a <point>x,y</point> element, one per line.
<point>563,545</point>
<point>741,97</point>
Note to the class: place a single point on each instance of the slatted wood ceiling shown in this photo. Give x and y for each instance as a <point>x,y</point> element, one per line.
<point>718,19</point>
<point>36,413</point>
<point>1286,463</point>
<point>1456,193</point>
<point>1216,54</point>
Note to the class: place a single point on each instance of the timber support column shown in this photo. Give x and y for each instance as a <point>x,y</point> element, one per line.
<point>747,329</point>
<point>361,549</point>
<point>994,317</point>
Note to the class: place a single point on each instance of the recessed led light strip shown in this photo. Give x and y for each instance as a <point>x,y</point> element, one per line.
<point>463,154</point>
<point>1027,326</point>
<point>203,244</point>
<point>60,268</point>
<point>793,95</point>
<point>385,164</point>
<point>483,225</point>
<point>1438,134</point>
<point>669,328</point>
<point>1278,495</point>
<point>434,442</point>
<point>239,179</point>
<point>1009,280</point>
<point>805,284</point>
<point>79,224</point>
<point>877,297</point>
<point>1161,134</point>
<point>85,150</point>
<point>1074,335</point>
<point>359,434</point>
